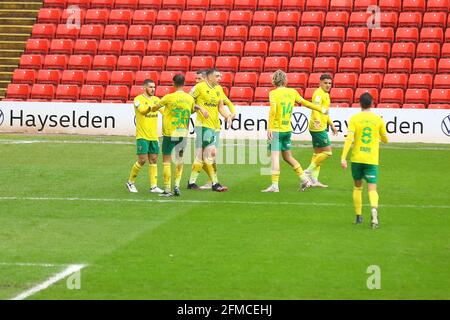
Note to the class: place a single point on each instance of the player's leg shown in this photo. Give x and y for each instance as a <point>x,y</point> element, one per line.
<point>153,166</point>
<point>167,148</point>
<point>274,147</point>
<point>357,173</point>
<point>371,175</point>
<point>142,157</point>
<point>179,164</point>
<point>209,158</point>
<point>208,184</point>
<point>198,161</point>
<point>322,151</point>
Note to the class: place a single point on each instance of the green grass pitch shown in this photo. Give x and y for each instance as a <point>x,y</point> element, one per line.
<point>65,202</point>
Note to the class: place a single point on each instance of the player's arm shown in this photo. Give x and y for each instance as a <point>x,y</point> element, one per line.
<point>331,124</point>
<point>141,108</point>
<point>272,114</point>
<point>203,111</point>
<point>348,144</point>
<point>300,100</point>
<point>383,132</point>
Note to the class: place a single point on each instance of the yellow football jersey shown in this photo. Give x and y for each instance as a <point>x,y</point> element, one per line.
<point>282,102</point>
<point>146,121</point>
<point>368,129</point>
<point>178,107</point>
<point>208,97</point>
<point>319,121</point>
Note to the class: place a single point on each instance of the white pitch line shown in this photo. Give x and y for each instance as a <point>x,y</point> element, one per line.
<point>29,264</point>
<point>52,280</point>
<point>185,201</point>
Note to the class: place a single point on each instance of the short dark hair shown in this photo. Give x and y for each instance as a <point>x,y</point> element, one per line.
<point>365,100</point>
<point>202,72</point>
<point>148,81</point>
<point>325,76</point>
<point>210,71</point>
<point>178,80</point>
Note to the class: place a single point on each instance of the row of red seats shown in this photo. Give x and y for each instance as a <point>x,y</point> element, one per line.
<point>246,95</point>
<point>239,48</point>
<point>241,33</point>
<point>234,64</point>
<point>236,17</point>
<point>239,79</point>
<point>325,5</point>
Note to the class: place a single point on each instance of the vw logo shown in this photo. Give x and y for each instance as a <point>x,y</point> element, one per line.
<point>445,125</point>
<point>2,117</point>
<point>299,123</point>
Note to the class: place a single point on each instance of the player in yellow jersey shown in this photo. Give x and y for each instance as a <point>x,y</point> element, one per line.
<point>178,107</point>
<point>318,128</point>
<point>365,129</point>
<point>146,137</point>
<point>208,95</point>
<point>282,102</point>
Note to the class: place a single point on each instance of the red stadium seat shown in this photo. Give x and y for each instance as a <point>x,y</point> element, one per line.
<point>202,63</point>
<point>43,31</point>
<point>342,95</point>
<point>444,65</point>
<point>144,17</point>
<point>182,47</point>
<point>337,19</point>
<point>102,3</point>
<point>107,47</point>
<point>280,48</point>
<point>435,19</point>
<point>104,62</point>
<point>399,65</point>
<point>293,5</point>
<point>287,18</point>
<point>153,63</point>
<point>221,4</point>
<point>219,17</point>
<point>300,64</point>
<point>55,61</point>
<point>403,50</point>
<point>136,90</point>
<point>325,64</point>
<point>351,64</point>
<point>269,5</point>
<point>245,5</point>
<point>308,33</point>
<point>391,95</point>
<point>168,17</point>
<point>414,5</point>
<point>80,62</point>
<point>260,33</point>
<point>64,31</point>
<point>382,35</point>
<point>37,46</point>
<point>313,79</point>
<point>236,33</point>
<point>92,92</point>
<point>92,31</point>
<point>87,46</point>
<point>116,93</point>
<point>333,34</point>
<point>255,48</point>
<point>341,5</point>
<point>212,33</point>
<point>265,18</point>
<point>390,5</point>
<point>42,91</point>
<point>178,63</point>
<point>284,33</point>
<point>329,49</point>
<point>225,63</point>
<point>251,64</point>
<point>445,50</point>
<point>48,77</point>
<point>188,33</point>
<point>55,3</point>
<point>428,50</point>
<point>227,79</point>
<point>424,65</point>
<point>354,49</point>
<point>440,96</point>
<point>422,81</point>
<point>24,76</point>
<point>313,18</point>
<point>372,91</point>
<point>438,106</point>
<point>95,77</point>
<point>207,48</point>
<point>116,31</point>
<point>163,32</point>
<point>241,94</point>
<point>238,17</point>
<point>131,63</point>
<point>31,61</point>
<point>262,94</point>
<point>174,4</point>
<point>75,77</point>
<point>265,79</point>
<point>309,93</point>
<point>49,15</point>
<point>79,3</point>
<point>361,5</point>
<point>388,106</point>
<point>395,80</point>
<point>413,106</point>
<point>417,96</point>
<point>275,63</point>
<point>357,34</point>
<point>18,91</point>
<point>345,80</point>
<point>73,16</point>
<point>359,19</point>
<point>388,20</point>
<point>437,5</point>
<point>97,16</point>
<point>370,80</point>
<point>297,80</point>
<point>432,35</point>
<point>166,78</point>
<point>139,32</point>
<point>134,47</point>
<point>140,76</point>
<point>379,49</point>
<point>67,92</point>
<point>144,4</point>
<point>233,48</point>
<point>442,81</point>
<point>158,47</point>
<point>320,5</point>
<point>410,19</point>
<point>305,49</point>
<point>406,34</point>
<point>190,78</point>
<point>376,65</point>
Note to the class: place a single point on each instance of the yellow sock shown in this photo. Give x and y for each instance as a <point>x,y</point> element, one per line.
<point>178,174</point>
<point>318,159</point>
<point>357,200</point>
<point>207,172</point>
<point>153,173</point>
<point>134,172</point>
<point>315,173</point>
<point>275,178</point>
<point>196,168</point>
<point>299,170</point>
<point>215,172</point>
<point>167,176</point>
<point>373,198</point>
<point>210,170</point>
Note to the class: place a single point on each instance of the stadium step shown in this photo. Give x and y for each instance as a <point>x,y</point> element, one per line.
<point>8,67</point>
<point>15,29</point>
<point>12,45</point>
<point>17,21</point>
<point>34,5</point>
<point>5,76</point>
<point>14,36</point>
<point>10,53</point>
<point>5,13</point>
